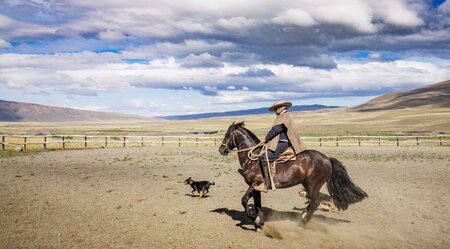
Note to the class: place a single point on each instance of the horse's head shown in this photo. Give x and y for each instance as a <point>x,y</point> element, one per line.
<point>228,142</point>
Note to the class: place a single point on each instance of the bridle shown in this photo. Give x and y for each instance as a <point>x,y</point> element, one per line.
<point>250,149</point>
<point>228,141</point>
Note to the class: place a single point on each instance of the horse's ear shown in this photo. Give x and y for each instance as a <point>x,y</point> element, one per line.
<point>240,124</point>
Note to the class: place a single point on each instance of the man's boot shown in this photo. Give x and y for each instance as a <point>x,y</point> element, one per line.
<point>265,171</point>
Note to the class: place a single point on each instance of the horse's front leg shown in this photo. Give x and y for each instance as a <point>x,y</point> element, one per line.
<point>248,194</point>
<point>259,220</point>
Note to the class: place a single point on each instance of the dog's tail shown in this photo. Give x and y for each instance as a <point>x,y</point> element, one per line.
<point>213,183</point>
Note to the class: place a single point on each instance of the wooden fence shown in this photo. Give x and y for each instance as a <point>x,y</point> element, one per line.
<point>21,142</point>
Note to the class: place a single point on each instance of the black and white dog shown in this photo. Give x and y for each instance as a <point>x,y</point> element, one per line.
<point>202,187</point>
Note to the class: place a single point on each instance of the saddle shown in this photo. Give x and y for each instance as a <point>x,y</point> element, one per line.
<point>287,155</point>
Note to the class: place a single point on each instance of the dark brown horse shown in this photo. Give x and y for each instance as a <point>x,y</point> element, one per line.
<point>311,169</point>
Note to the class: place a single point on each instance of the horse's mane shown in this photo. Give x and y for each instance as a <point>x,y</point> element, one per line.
<point>247,132</point>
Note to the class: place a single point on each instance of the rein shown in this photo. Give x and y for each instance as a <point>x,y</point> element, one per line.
<point>251,155</point>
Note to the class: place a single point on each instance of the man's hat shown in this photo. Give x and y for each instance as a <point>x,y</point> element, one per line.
<point>279,104</point>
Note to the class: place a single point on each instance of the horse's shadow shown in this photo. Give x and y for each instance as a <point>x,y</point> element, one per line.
<point>196,196</point>
<point>237,215</point>
<point>274,215</point>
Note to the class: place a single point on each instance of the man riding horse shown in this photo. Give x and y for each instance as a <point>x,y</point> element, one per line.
<point>282,136</point>
<point>310,168</point>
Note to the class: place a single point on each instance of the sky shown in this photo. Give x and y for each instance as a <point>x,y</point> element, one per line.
<point>158,58</point>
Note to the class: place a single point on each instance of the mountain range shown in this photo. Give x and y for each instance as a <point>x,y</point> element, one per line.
<point>11,111</point>
<point>263,110</point>
<point>433,96</point>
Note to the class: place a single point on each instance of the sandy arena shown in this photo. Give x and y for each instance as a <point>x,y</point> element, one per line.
<point>134,198</point>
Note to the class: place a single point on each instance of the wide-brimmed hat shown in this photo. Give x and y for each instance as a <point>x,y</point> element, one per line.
<point>279,104</point>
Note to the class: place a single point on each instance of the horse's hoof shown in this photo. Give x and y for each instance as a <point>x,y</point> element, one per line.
<point>303,223</point>
<point>304,215</point>
<point>258,225</point>
<point>256,228</point>
<point>252,213</point>
<point>259,220</point>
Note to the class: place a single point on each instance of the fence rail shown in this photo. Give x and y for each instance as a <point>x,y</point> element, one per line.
<point>37,142</point>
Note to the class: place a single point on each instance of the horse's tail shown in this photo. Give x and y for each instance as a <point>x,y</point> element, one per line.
<point>341,188</point>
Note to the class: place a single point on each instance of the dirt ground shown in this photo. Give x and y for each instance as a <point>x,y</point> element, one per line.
<point>134,198</point>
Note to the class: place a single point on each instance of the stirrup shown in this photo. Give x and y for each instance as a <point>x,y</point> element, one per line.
<point>261,188</point>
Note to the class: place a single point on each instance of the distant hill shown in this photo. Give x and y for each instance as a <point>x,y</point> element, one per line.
<point>18,111</point>
<point>256,111</point>
<point>435,95</point>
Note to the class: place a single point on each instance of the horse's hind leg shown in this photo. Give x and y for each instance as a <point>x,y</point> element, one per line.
<point>313,193</point>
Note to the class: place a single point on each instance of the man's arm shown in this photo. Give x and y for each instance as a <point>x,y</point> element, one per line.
<point>276,130</point>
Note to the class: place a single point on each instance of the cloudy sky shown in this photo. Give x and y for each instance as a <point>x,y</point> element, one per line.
<point>168,57</point>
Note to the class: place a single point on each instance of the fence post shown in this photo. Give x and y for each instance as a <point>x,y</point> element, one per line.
<point>440,140</point>
<point>162,141</point>
<point>64,143</point>
<point>337,141</point>
<point>196,141</point>
<point>417,141</point>
<point>359,141</point>
<point>179,141</point>
<point>106,142</point>
<point>215,141</point>
<point>85,141</point>
<point>124,141</point>
<point>142,141</point>
<point>45,143</point>
<point>3,142</point>
<point>398,142</point>
<point>24,143</point>
<point>379,141</point>
<point>320,141</point>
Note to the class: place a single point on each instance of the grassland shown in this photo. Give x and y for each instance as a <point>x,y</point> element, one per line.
<point>321,122</point>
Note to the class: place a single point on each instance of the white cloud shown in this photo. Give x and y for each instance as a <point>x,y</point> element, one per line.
<point>111,35</point>
<point>183,49</point>
<point>295,16</point>
<point>202,60</point>
<point>163,19</point>
<point>5,21</point>
<point>226,97</point>
<point>4,44</point>
<point>355,14</point>
<point>89,73</point>
<point>396,13</point>
<point>375,56</point>
<point>236,23</point>
<point>208,46</point>
<point>444,8</point>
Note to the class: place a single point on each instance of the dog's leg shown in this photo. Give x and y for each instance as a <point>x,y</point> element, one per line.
<point>201,194</point>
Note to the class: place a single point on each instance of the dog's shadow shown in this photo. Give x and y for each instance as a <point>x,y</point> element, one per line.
<point>274,215</point>
<point>197,196</point>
